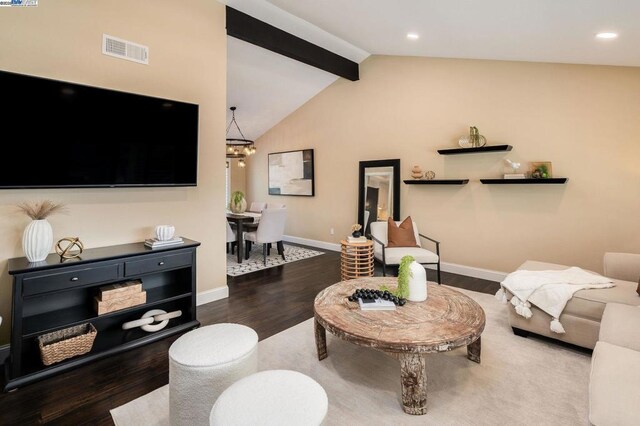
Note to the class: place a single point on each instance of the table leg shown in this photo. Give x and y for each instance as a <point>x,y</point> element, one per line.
<point>240,241</point>
<point>473,351</point>
<point>413,375</point>
<point>321,340</point>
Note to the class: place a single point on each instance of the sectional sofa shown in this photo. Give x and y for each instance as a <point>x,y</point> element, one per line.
<point>608,321</point>
<point>582,315</point>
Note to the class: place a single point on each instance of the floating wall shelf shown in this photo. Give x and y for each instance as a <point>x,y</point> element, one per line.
<point>528,181</point>
<point>436,182</point>
<point>488,148</point>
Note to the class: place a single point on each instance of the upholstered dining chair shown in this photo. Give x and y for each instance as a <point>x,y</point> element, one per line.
<point>391,255</point>
<point>276,206</point>
<point>231,238</point>
<point>257,206</point>
<point>270,230</point>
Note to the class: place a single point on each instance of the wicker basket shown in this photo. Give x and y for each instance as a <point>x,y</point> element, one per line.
<point>69,342</point>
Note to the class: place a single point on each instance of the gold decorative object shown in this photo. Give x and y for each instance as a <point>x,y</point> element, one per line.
<point>416,172</point>
<point>474,140</point>
<point>429,175</point>
<point>73,249</point>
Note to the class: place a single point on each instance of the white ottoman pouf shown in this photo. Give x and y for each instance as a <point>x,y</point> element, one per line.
<point>202,364</point>
<point>274,397</point>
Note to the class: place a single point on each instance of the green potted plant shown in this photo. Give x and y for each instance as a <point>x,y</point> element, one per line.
<point>238,204</point>
<point>404,273</point>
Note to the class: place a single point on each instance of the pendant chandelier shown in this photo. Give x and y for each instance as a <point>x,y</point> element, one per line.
<point>238,147</point>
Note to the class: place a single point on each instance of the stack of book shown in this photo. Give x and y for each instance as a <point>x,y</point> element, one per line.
<point>514,176</point>
<point>119,296</point>
<point>376,305</point>
<point>352,239</point>
<point>156,243</point>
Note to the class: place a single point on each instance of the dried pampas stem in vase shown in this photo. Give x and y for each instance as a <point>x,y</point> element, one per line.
<point>41,210</point>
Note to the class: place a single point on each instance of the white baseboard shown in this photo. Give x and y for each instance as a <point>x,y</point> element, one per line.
<point>313,243</point>
<point>209,296</point>
<point>454,268</point>
<point>471,271</point>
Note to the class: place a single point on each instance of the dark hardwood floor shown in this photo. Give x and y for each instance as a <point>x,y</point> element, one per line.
<point>268,301</point>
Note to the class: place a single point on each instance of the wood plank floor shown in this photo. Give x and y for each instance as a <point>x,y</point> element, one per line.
<point>268,301</point>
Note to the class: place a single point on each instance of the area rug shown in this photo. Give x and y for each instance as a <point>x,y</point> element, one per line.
<point>256,261</point>
<point>520,381</point>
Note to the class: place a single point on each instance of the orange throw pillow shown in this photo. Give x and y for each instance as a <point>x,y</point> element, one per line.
<point>401,236</point>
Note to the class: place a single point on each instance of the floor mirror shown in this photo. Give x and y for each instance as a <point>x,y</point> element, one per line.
<point>378,192</point>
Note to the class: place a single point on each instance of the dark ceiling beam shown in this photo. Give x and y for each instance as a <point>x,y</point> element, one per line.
<point>252,30</point>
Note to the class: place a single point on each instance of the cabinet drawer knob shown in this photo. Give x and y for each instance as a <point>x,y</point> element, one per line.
<point>74,279</point>
<point>161,263</point>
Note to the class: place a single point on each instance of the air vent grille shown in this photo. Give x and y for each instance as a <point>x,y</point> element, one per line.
<point>124,49</point>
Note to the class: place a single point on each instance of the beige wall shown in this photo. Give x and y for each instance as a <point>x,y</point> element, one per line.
<point>585,119</point>
<point>61,39</point>
<point>238,177</point>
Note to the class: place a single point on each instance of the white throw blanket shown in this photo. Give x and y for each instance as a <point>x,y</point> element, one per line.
<point>548,290</point>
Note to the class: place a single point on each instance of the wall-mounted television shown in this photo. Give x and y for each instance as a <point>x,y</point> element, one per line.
<point>55,134</point>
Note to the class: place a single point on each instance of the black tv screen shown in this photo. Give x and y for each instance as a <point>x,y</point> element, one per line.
<point>58,134</point>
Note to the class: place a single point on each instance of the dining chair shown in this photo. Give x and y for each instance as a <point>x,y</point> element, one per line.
<point>275,206</point>
<point>257,206</point>
<point>392,256</point>
<point>270,230</point>
<point>231,238</point>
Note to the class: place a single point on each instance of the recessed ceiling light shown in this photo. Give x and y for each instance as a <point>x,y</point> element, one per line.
<point>607,35</point>
<point>412,36</point>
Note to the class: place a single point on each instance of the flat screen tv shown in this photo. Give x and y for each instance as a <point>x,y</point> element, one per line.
<point>55,134</point>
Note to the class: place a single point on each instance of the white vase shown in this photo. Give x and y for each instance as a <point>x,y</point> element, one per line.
<point>165,232</point>
<point>37,240</point>
<point>417,283</point>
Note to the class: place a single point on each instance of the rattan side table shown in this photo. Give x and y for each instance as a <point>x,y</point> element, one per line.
<point>356,260</point>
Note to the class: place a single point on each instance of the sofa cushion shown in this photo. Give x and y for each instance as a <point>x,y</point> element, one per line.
<point>614,386</point>
<point>621,326</point>
<point>590,304</point>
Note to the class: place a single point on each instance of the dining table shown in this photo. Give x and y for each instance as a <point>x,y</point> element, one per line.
<point>243,222</point>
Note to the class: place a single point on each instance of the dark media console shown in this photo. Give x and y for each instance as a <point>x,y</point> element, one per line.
<point>51,295</point>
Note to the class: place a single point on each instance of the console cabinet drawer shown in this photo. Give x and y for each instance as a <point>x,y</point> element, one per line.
<point>157,263</point>
<point>64,280</point>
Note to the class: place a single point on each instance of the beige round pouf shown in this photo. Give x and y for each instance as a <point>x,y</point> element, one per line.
<point>205,362</point>
<point>274,397</point>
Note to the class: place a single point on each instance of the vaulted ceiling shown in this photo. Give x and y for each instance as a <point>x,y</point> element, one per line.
<point>266,87</point>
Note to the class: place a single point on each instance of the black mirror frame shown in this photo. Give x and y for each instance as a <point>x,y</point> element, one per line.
<point>395,163</point>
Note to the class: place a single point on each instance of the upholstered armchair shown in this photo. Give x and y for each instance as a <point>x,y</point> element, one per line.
<point>391,255</point>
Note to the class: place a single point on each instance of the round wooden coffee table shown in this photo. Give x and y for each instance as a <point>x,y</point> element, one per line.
<point>446,320</point>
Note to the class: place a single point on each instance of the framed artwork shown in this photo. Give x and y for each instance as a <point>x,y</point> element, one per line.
<point>291,173</point>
